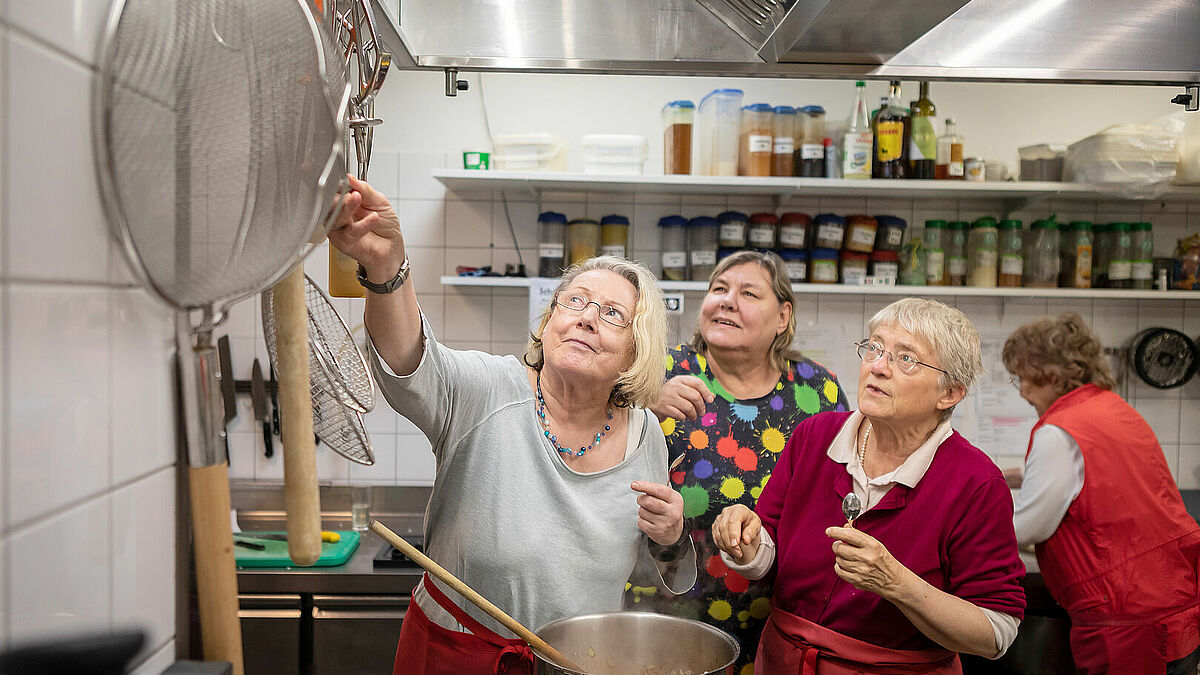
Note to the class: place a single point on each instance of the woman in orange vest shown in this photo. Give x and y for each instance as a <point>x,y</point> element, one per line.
<point>1115,545</point>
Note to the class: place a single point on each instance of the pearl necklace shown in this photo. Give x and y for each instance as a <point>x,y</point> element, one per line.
<point>862,454</point>
<point>541,411</point>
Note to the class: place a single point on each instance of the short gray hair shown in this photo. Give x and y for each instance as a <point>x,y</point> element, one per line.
<point>953,337</point>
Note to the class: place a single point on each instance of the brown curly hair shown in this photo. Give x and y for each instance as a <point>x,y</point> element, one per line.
<point>1062,350</point>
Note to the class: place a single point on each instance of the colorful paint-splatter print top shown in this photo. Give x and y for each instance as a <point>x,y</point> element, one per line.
<point>728,455</point>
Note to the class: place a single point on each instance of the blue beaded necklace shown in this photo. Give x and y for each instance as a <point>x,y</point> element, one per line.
<point>541,411</point>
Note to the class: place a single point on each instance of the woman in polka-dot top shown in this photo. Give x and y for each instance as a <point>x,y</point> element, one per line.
<point>731,400</point>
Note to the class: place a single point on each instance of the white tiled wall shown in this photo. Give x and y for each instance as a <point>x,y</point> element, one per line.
<point>87,413</point>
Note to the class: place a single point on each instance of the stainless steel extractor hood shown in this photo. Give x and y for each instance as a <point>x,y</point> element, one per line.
<point>1117,41</point>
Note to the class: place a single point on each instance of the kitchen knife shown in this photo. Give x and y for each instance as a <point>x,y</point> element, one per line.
<point>258,395</point>
<point>227,394</point>
<point>331,537</point>
<point>274,399</point>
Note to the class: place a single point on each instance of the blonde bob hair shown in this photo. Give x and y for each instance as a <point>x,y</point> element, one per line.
<point>641,383</point>
<point>1062,350</point>
<point>781,352</point>
<point>951,335</point>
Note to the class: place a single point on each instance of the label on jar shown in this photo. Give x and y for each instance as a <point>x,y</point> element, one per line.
<point>853,273</point>
<point>1143,269</point>
<point>986,258</point>
<point>895,235</point>
<point>957,267</point>
<point>797,270</point>
<point>674,259</point>
<point>862,235</point>
<point>762,236</point>
<point>784,145</point>
<point>1012,264</point>
<point>955,169</point>
<point>551,251</point>
<point>974,170</point>
<point>935,265</point>
<point>733,233</point>
<point>613,249</point>
<point>891,141</point>
<point>888,270</point>
<point>829,236</point>
<point>792,235</point>
<point>758,143</point>
<point>704,257</point>
<point>1120,270</point>
<point>824,271</point>
<point>812,151</point>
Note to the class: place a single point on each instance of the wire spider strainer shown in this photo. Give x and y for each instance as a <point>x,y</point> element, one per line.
<point>340,384</point>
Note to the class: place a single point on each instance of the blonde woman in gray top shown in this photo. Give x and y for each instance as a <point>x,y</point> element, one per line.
<point>551,474</point>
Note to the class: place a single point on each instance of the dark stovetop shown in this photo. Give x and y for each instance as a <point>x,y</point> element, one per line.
<point>389,558</point>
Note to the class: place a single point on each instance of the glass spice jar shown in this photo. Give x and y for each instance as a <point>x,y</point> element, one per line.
<point>703,234</point>
<point>762,231</point>
<point>583,240</point>
<point>935,237</point>
<point>551,244</point>
<point>829,230</point>
<point>1012,254</point>
<point>672,232</point>
<point>956,252</point>
<point>793,230</point>
<point>614,236</point>
<point>733,229</point>
<point>983,253</point>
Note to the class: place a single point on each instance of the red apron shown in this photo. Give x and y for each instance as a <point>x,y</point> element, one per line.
<point>1129,645</point>
<point>791,645</point>
<point>428,649</point>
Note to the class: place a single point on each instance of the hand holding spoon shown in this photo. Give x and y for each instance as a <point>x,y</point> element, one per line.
<point>851,508</point>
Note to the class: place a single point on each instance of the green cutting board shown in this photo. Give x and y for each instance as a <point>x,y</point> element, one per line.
<point>276,552</point>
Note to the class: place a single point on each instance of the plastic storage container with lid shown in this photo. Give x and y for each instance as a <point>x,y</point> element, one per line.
<point>1011,247</point>
<point>795,263</point>
<point>614,154</point>
<point>529,152</point>
<point>823,266</point>
<point>793,230</point>
<point>1042,162</point>
<point>885,265</point>
<point>1076,252</point>
<point>1142,247</point>
<point>733,229</point>
<point>583,240</point>
<point>854,266</point>
<point>1042,255</point>
<point>935,238</point>
<point>718,128</point>
<point>983,253</point>
<point>956,252</point>
<point>614,236</point>
<point>1120,262</point>
<point>783,144</point>
<point>810,159</point>
<point>551,244</point>
<point>860,234</point>
<point>889,235</point>
<point>912,263</point>
<point>672,232</point>
<point>763,230</point>
<point>703,236</point>
<point>678,119</point>
<point>757,134</point>
<point>829,231</point>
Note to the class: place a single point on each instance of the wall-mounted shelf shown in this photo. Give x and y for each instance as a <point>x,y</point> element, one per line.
<point>847,289</point>
<point>781,188</point>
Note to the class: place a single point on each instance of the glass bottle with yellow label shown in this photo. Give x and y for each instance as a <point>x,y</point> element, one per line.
<point>891,155</point>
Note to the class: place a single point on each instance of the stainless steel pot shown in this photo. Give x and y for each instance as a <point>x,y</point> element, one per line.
<point>638,643</point>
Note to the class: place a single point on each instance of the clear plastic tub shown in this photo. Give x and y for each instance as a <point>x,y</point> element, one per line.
<point>733,229</point>
<point>717,133</point>
<point>672,232</point>
<point>614,154</point>
<point>678,119</point>
<point>702,238</point>
<point>529,152</point>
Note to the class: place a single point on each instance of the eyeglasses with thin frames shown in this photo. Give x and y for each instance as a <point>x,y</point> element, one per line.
<point>614,316</point>
<point>870,352</point>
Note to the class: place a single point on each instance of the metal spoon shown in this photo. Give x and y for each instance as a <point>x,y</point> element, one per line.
<point>851,507</point>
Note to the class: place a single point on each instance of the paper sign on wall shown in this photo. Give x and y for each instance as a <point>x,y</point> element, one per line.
<point>541,292</point>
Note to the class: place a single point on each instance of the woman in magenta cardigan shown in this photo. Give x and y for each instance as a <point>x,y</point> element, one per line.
<point>930,568</point>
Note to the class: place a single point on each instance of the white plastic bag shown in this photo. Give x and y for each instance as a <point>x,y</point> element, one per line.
<point>1189,150</point>
<point>1135,161</point>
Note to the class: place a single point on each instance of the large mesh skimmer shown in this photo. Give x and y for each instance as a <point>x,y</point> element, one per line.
<point>217,133</point>
<point>341,385</point>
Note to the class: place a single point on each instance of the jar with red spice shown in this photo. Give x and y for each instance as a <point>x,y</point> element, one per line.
<point>793,230</point>
<point>762,230</point>
<point>854,266</point>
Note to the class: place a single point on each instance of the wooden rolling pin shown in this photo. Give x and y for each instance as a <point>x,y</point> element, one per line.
<point>478,600</point>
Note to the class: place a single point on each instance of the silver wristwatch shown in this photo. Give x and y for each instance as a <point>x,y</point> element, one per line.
<point>388,286</point>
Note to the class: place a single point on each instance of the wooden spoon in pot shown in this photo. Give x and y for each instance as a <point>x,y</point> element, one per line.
<point>469,593</point>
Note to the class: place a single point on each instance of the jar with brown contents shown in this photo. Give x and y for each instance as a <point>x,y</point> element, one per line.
<point>784,125</point>
<point>678,118</point>
<point>754,155</point>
